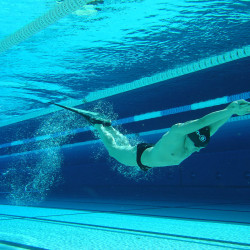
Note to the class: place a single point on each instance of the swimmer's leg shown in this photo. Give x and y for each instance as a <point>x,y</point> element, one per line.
<point>125,154</point>
<point>119,137</point>
<point>106,137</point>
<point>109,134</point>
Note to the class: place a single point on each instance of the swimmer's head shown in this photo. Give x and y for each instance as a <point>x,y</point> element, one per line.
<point>201,137</point>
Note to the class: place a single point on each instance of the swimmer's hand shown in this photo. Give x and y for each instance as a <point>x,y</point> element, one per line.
<point>240,107</point>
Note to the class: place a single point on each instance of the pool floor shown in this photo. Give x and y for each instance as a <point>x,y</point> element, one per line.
<point>123,224</point>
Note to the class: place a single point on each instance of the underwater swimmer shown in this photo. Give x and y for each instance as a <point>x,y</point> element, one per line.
<point>181,141</point>
<point>94,2</point>
<point>90,9</point>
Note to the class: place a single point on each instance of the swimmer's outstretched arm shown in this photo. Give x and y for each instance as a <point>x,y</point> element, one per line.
<point>214,120</point>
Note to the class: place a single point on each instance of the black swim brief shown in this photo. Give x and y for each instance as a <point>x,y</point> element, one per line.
<point>141,147</point>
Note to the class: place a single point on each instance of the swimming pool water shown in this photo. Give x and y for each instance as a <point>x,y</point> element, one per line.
<point>70,194</point>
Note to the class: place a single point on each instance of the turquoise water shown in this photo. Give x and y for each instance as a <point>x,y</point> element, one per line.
<point>122,41</point>
<point>146,64</point>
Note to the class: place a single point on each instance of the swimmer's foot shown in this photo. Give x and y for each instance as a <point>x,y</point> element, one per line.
<point>92,117</point>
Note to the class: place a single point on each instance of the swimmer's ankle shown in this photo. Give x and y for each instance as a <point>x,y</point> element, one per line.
<point>97,126</point>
